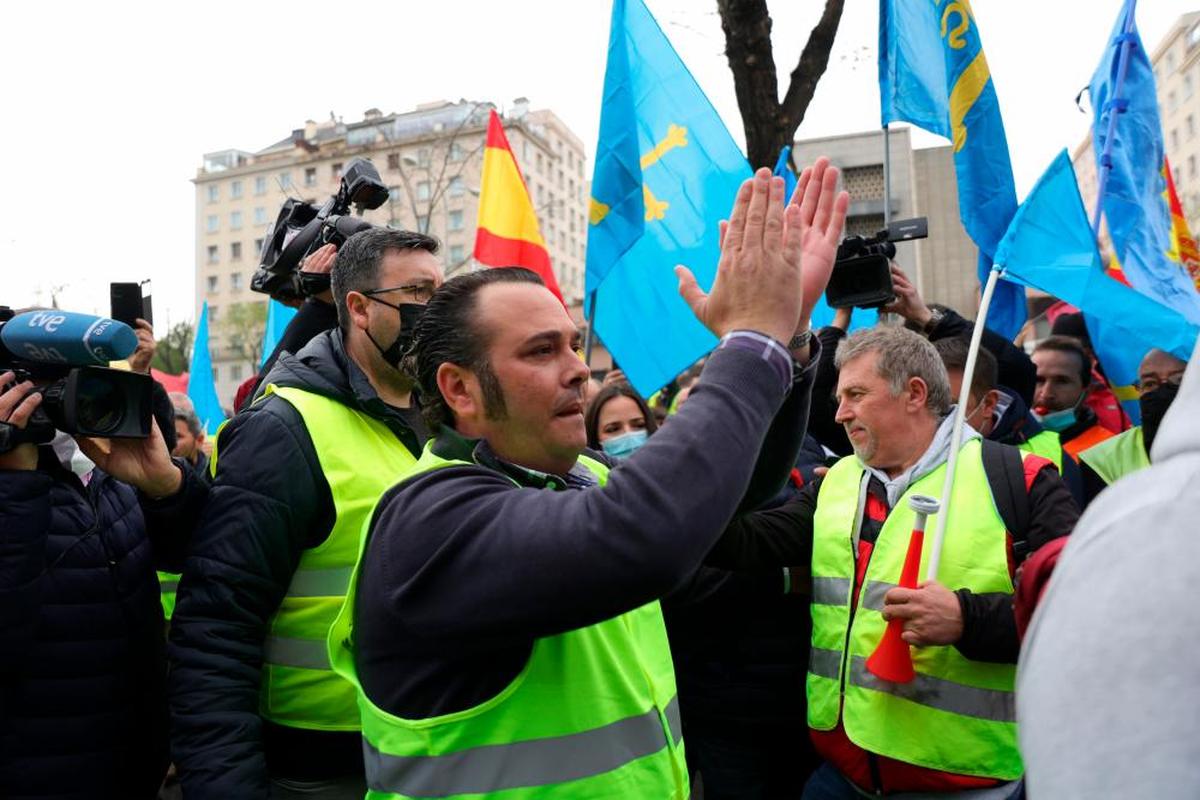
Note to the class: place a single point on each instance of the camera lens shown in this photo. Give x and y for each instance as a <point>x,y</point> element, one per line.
<point>99,405</point>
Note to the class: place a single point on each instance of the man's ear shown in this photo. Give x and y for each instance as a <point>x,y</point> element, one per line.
<point>917,395</point>
<point>991,400</point>
<point>460,389</point>
<point>356,308</point>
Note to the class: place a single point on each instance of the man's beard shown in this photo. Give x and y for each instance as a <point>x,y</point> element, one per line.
<point>865,451</point>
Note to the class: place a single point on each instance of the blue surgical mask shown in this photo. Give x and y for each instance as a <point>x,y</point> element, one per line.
<point>1057,421</point>
<point>623,446</point>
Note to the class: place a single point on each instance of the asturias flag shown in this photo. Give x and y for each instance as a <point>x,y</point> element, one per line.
<point>201,388</point>
<point>666,173</point>
<point>508,234</point>
<point>1135,209</point>
<point>1050,246</point>
<point>932,73</point>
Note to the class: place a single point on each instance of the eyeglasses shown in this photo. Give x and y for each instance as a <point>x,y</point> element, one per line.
<point>1151,382</point>
<point>421,292</point>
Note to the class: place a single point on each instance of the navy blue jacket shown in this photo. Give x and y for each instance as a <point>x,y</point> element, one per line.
<point>83,711</point>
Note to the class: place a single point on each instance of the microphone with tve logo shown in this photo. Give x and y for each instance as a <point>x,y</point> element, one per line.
<point>67,338</point>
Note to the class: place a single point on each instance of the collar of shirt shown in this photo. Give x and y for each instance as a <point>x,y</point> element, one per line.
<point>453,445</point>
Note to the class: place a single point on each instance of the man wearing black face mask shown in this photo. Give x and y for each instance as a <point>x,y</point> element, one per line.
<point>1159,376</point>
<point>256,710</point>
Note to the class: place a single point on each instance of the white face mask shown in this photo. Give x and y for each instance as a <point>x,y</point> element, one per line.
<point>69,454</point>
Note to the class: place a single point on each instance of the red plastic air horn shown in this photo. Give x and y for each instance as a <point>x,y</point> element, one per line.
<point>892,659</point>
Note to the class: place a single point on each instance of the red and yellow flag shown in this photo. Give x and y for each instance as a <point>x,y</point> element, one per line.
<point>1183,245</point>
<point>508,234</point>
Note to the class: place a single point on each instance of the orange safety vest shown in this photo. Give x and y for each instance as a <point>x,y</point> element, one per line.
<point>1089,438</point>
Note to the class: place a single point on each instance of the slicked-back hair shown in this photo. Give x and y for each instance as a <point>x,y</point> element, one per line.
<point>902,355</point>
<point>1068,344</point>
<point>954,349</point>
<point>449,332</point>
<point>356,268</point>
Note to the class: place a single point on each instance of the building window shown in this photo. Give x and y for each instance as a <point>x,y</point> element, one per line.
<point>216,372</point>
<point>456,152</point>
<point>454,221</point>
<point>550,235</point>
<point>285,180</point>
<point>212,254</point>
<point>212,313</point>
<point>260,185</point>
<point>235,281</point>
<point>1191,166</point>
<point>214,193</point>
<point>394,161</point>
<point>1191,126</point>
<point>235,254</point>
<point>394,193</point>
<point>423,190</point>
<point>213,280</point>
<point>560,178</point>
<point>1187,86</point>
<point>258,243</point>
<point>457,187</point>
<point>235,189</point>
<point>310,176</point>
<point>423,156</point>
<point>336,169</point>
<point>260,216</point>
<point>525,151</point>
<point>423,223</point>
<point>235,220</point>
<point>540,163</point>
<point>1172,101</point>
<point>213,225</point>
<point>1175,139</point>
<point>235,372</point>
<point>456,254</point>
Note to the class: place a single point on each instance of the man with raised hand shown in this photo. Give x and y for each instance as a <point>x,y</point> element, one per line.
<point>506,628</point>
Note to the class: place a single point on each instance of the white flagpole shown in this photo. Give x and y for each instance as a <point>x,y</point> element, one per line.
<point>960,420</point>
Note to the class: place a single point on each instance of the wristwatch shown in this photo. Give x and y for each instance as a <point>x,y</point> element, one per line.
<point>936,315</point>
<point>801,339</point>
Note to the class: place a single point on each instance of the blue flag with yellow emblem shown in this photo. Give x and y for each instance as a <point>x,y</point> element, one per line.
<point>666,173</point>
<point>1135,206</point>
<point>932,73</point>
<point>1050,246</point>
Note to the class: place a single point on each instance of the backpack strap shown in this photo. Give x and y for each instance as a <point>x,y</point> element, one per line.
<point>1005,470</point>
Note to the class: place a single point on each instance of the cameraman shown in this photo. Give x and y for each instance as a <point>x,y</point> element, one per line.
<point>257,711</point>
<point>83,706</point>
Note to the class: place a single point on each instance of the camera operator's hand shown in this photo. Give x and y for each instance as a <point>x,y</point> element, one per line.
<point>16,407</point>
<point>822,219</point>
<point>320,262</point>
<point>909,303</point>
<point>758,283</point>
<point>144,354</point>
<point>144,463</point>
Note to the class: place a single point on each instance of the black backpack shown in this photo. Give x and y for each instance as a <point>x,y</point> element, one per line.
<point>1004,466</point>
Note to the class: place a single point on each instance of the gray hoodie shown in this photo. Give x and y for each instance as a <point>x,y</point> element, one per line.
<point>1108,687</point>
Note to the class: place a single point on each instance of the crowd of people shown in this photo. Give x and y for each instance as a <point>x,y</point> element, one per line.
<point>433,556</point>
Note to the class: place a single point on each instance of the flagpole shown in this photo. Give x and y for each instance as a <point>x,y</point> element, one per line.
<point>887,177</point>
<point>587,336</point>
<point>1105,162</point>
<point>960,421</point>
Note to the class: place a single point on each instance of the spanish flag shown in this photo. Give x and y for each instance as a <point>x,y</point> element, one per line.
<point>508,233</point>
<point>1183,244</point>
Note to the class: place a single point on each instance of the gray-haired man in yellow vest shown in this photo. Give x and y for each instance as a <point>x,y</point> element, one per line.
<point>257,711</point>
<point>507,637</point>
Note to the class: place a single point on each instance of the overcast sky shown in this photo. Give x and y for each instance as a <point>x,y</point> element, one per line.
<point>109,106</point>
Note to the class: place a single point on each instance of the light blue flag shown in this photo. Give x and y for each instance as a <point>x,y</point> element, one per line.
<point>932,73</point>
<point>1050,246</point>
<point>667,172</point>
<point>201,388</point>
<point>278,317</point>
<point>1138,217</point>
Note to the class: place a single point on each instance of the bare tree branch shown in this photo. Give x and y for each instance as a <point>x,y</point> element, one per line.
<point>812,64</point>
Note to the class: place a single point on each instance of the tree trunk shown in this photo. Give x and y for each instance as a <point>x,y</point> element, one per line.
<point>769,123</point>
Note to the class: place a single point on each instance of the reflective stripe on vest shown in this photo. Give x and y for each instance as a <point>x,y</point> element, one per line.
<point>299,686</point>
<point>1047,445</point>
<point>953,699</point>
<point>1123,454</point>
<point>592,714</point>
